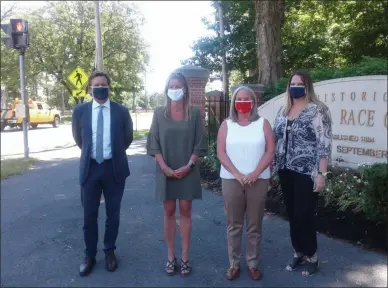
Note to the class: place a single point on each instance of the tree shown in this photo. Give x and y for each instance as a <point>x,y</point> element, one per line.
<point>62,37</point>
<point>240,41</point>
<point>269,18</point>
<point>156,100</point>
<point>314,34</point>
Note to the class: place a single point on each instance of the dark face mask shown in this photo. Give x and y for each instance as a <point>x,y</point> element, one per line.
<point>100,92</point>
<point>297,91</point>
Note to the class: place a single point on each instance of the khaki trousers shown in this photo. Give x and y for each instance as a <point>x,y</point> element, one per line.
<point>248,201</point>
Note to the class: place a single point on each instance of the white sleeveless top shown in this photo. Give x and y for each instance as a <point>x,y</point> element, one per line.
<point>245,146</point>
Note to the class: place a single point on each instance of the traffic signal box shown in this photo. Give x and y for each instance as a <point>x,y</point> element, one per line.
<point>17,31</point>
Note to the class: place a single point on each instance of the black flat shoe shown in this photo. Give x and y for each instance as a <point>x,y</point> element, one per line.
<point>312,266</point>
<point>296,261</point>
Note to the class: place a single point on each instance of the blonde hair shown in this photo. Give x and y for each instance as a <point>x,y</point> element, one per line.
<point>186,97</point>
<point>311,97</point>
<point>233,111</point>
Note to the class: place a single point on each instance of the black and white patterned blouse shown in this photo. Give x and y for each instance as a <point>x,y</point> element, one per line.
<point>309,139</point>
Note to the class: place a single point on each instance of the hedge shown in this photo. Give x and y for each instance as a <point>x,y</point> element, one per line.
<point>367,66</point>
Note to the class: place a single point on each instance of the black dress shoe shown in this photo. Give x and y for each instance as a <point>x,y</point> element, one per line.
<point>87,266</point>
<point>110,260</point>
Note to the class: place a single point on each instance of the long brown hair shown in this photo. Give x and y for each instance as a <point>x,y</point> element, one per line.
<point>311,97</point>
<point>186,97</point>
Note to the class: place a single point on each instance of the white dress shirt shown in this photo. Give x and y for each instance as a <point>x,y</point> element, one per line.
<point>106,138</point>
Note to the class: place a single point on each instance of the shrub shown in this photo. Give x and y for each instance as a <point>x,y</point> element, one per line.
<point>345,190</point>
<point>367,66</point>
<point>362,191</point>
<point>376,198</point>
<point>210,165</point>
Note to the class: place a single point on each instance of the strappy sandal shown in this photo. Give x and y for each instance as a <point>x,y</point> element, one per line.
<point>185,268</point>
<point>170,267</point>
<point>312,266</point>
<point>296,261</point>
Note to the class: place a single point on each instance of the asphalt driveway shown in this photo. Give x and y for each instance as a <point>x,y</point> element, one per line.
<point>42,243</point>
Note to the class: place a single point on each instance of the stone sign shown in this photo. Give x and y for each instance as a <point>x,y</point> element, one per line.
<point>358,108</point>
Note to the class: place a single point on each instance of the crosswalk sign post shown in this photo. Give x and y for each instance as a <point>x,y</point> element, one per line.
<point>78,93</point>
<point>78,78</point>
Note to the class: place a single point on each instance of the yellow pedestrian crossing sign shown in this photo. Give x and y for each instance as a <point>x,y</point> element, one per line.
<point>78,78</point>
<point>78,93</point>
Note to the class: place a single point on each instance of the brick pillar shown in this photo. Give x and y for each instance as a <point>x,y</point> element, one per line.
<point>196,77</point>
<point>257,88</point>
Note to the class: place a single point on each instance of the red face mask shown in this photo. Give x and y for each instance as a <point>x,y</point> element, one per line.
<point>243,106</point>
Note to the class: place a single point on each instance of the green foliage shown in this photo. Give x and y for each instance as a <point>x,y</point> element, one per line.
<point>376,196</point>
<point>156,100</point>
<point>62,36</point>
<point>315,34</point>
<point>362,191</point>
<point>210,163</point>
<point>345,190</point>
<point>239,37</point>
<point>367,66</point>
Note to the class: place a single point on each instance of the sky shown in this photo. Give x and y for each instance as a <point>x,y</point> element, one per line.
<point>170,29</point>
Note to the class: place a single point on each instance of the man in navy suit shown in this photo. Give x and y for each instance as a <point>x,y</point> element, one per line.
<point>103,130</point>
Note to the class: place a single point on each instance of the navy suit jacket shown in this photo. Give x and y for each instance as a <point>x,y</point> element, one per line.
<point>121,138</point>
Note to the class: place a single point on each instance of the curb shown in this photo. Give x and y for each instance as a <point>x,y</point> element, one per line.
<point>41,151</point>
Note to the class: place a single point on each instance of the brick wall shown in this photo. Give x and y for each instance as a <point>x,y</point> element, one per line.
<point>197,78</point>
<point>197,93</point>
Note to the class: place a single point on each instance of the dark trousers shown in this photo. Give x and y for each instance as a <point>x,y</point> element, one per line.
<point>101,180</point>
<point>300,201</point>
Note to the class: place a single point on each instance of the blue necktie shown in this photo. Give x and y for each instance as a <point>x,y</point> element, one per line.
<point>100,137</point>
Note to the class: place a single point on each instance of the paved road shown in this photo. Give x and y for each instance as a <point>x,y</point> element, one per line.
<point>41,237</point>
<point>45,137</point>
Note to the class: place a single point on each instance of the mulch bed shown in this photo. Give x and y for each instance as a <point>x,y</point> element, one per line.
<point>343,225</point>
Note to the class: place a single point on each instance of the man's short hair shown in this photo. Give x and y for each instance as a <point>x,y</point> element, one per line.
<point>98,74</point>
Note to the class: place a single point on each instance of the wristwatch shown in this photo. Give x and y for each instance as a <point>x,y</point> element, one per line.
<point>191,164</point>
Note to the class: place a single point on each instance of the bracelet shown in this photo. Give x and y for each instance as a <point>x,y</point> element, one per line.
<point>324,174</point>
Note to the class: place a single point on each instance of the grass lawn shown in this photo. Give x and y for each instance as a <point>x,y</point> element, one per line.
<point>140,134</point>
<point>15,166</point>
<point>136,134</point>
<point>66,119</point>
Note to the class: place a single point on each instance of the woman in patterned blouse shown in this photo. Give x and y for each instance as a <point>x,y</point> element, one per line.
<point>303,147</point>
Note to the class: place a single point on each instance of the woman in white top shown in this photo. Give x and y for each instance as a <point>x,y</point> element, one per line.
<point>245,148</point>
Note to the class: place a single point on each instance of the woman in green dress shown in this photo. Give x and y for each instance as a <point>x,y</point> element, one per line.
<point>176,140</point>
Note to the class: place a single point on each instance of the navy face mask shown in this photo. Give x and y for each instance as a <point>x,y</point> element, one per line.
<point>100,92</point>
<point>297,91</point>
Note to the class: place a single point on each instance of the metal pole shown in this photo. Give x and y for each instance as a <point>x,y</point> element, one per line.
<point>145,90</point>
<point>100,62</point>
<point>133,101</point>
<point>4,97</point>
<point>135,121</point>
<point>134,107</point>
<point>25,102</point>
<point>224,70</point>
<point>63,101</point>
